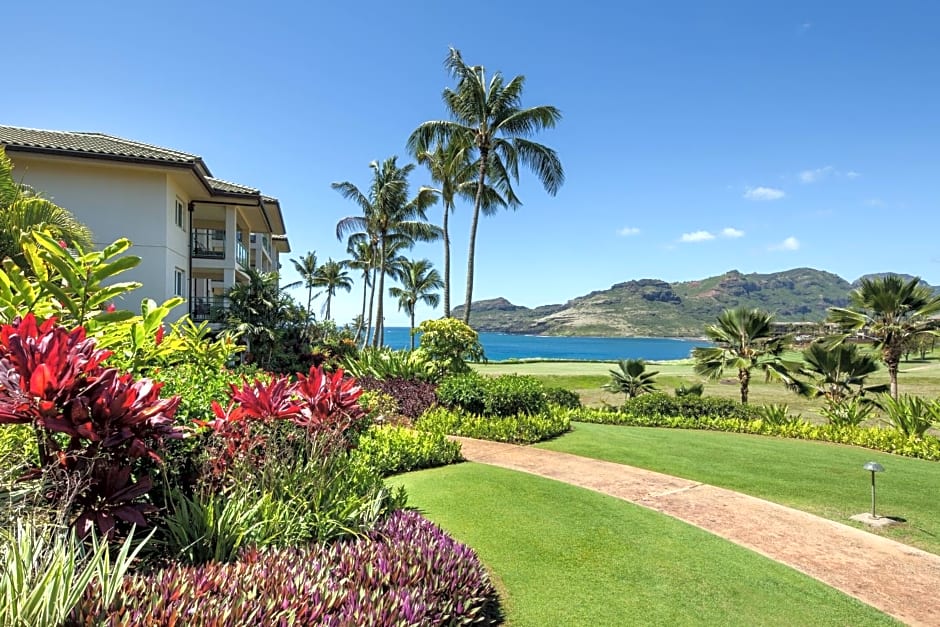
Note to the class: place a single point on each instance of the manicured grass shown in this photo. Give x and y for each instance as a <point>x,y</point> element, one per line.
<point>586,378</point>
<point>569,556</point>
<point>824,479</point>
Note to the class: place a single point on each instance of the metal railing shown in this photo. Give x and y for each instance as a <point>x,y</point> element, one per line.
<point>208,244</point>
<point>208,308</point>
<point>241,255</point>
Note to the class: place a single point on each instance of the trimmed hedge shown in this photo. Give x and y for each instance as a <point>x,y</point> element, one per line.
<point>520,429</point>
<point>413,397</point>
<point>392,449</point>
<point>563,397</point>
<point>407,571</point>
<point>505,395</point>
<point>886,440</point>
<point>658,404</point>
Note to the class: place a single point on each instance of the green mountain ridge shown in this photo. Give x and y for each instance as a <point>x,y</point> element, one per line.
<point>655,308</point>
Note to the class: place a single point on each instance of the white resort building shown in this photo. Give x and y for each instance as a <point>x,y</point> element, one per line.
<point>196,235</point>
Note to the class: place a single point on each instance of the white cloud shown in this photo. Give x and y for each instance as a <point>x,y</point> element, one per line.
<point>627,231</point>
<point>812,176</point>
<point>764,193</point>
<point>696,236</point>
<point>852,174</point>
<point>732,232</point>
<point>791,243</point>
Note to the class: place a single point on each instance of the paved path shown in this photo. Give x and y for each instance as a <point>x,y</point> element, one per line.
<point>895,578</point>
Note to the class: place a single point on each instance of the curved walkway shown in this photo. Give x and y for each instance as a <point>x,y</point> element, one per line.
<point>895,578</point>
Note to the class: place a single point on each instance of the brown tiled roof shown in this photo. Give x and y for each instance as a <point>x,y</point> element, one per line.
<point>92,144</point>
<point>229,187</point>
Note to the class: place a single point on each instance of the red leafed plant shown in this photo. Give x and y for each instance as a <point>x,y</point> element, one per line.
<point>320,404</point>
<point>92,423</point>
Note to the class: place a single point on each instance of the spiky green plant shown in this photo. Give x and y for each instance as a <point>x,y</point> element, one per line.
<point>632,379</point>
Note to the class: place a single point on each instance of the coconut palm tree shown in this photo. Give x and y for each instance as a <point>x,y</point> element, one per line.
<point>362,260</point>
<point>419,282</point>
<point>306,267</point>
<point>23,210</point>
<point>632,379</point>
<point>332,276</point>
<point>489,117</point>
<point>889,311</point>
<point>838,372</point>
<point>745,340</point>
<point>389,219</point>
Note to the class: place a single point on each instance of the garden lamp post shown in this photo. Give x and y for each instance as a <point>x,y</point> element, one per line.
<point>873,467</point>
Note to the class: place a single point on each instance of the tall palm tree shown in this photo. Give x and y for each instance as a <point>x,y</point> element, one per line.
<point>23,210</point>
<point>306,267</point>
<point>745,340</point>
<point>838,372</point>
<point>889,311</point>
<point>489,117</point>
<point>332,276</point>
<point>419,282</point>
<point>632,379</point>
<point>389,218</point>
<point>363,256</point>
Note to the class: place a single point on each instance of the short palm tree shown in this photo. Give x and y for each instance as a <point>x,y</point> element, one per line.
<point>389,218</point>
<point>889,311</point>
<point>332,276</point>
<point>632,379</point>
<point>22,210</point>
<point>489,117</point>
<point>306,267</point>
<point>744,341</point>
<point>838,372</point>
<point>419,283</point>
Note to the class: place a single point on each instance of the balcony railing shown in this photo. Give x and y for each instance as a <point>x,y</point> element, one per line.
<point>208,244</point>
<point>241,255</point>
<point>209,308</point>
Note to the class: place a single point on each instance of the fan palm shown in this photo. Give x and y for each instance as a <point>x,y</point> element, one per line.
<point>745,340</point>
<point>632,379</point>
<point>332,276</point>
<point>306,267</point>
<point>420,282</point>
<point>389,218</point>
<point>889,311</point>
<point>489,117</point>
<point>838,372</point>
<point>22,210</point>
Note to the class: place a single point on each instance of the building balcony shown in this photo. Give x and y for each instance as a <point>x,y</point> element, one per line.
<point>209,308</point>
<point>208,244</point>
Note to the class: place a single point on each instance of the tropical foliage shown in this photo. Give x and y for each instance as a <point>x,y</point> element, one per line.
<point>487,117</point>
<point>632,379</point>
<point>331,276</point>
<point>838,372</point>
<point>306,267</point>
<point>419,283</point>
<point>744,341</point>
<point>450,343</point>
<point>889,311</point>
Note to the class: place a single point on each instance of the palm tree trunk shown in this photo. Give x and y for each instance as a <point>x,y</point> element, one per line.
<point>477,203</point>
<point>329,298</point>
<point>412,333</point>
<point>309,303</point>
<point>893,377</point>
<point>375,272</point>
<point>744,376</point>
<point>379,310</point>
<point>446,263</point>
<point>362,316</point>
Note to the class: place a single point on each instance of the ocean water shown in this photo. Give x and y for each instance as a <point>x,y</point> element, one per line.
<point>502,346</point>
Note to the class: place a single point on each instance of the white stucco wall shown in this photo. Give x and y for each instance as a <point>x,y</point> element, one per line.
<point>117,200</point>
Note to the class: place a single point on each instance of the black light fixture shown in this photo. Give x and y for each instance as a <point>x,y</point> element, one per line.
<point>873,467</point>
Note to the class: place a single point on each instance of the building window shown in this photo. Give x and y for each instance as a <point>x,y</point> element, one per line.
<point>179,213</point>
<point>179,282</point>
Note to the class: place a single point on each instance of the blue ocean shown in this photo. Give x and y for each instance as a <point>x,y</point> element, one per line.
<point>502,346</point>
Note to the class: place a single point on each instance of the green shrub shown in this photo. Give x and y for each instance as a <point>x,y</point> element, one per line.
<point>509,395</point>
<point>520,429</point>
<point>776,414</point>
<point>449,343</point>
<point>887,440</point>
<point>690,389</point>
<point>381,408</point>
<point>386,363</point>
<point>563,397</point>
<point>909,415</point>
<point>466,392</point>
<point>659,404</point>
<point>391,449</point>
<point>847,412</point>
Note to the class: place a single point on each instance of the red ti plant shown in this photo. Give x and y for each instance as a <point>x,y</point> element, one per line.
<point>91,422</point>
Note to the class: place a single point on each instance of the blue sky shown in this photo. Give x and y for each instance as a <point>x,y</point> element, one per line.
<point>696,138</point>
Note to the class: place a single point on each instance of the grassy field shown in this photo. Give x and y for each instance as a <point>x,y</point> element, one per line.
<point>817,477</point>
<point>567,556</point>
<point>586,378</point>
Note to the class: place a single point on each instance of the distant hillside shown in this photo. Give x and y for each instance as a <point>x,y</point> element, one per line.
<point>654,308</point>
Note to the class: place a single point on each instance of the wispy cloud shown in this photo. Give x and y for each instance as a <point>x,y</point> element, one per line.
<point>875,202</point>
<point>791,243</point>
<point>696,236</point>
<point>764,193</point>
<point>852,174</point>
<point>818,174</point>
<point>732,232</point>
<point>805,26</point>
<point>627,231</point>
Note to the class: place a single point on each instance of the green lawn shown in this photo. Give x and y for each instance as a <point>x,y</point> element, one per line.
<point>825,479</point>
<point>568,556</point>
<point>586,378</point>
